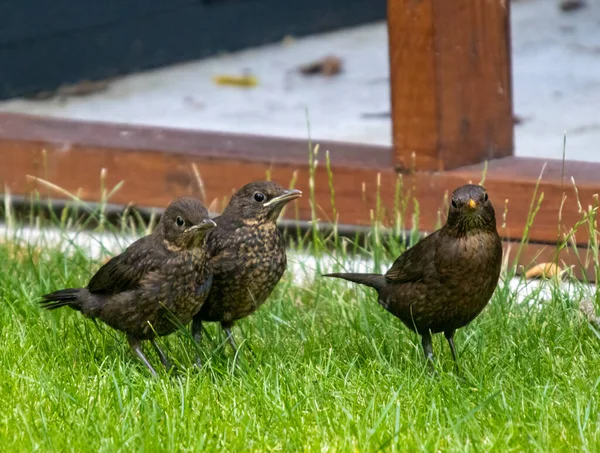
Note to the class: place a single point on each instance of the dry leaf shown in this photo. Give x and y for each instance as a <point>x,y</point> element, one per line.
<point>544,270</point>
<point>327,66</point>
<point>244,81</point>
<point>571,5</point>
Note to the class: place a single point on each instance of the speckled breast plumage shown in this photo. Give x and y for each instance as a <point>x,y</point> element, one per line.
<point>456,286</point>
<point>239,290</point>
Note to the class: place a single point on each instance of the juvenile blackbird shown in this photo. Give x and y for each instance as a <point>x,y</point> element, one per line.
<point>160,276</point>
<point>247,253</point>
<point>445,280</point>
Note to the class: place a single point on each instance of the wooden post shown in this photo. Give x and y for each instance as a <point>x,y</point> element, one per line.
<point>450,82</point>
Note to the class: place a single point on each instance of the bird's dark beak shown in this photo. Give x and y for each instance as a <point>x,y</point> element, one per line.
<point>472,204</point>
<point>285,197</point>
<point>206,224</point>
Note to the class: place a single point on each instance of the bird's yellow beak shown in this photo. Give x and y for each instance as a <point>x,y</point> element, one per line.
<point>472,203</point>
<point>285,197</point>
<point>205,224</point>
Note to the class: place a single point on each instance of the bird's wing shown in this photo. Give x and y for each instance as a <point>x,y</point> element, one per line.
<point>125,271</point>
<point>223,244</point>
<point>411,265</point>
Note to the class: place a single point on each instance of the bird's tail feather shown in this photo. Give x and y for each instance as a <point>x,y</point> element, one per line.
<point>64,297</point>
<point>376,281</point>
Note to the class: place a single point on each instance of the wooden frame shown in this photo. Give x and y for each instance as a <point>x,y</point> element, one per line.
<point>156,163</point>
<point>451,84</point>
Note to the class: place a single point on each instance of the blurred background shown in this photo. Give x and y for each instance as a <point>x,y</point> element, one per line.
<point>262,67</point>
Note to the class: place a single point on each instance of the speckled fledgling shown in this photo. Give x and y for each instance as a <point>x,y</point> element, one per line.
<point>446,279</point>
<point>159,276</point>
<point>247,253</point>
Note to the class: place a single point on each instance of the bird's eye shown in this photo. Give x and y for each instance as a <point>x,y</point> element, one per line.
<point>179,221</point>
<point>259,197</point>
<point>454,205</point>
<point>485,198</point>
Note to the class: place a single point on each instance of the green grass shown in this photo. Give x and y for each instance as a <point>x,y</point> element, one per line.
<point>331,371</point>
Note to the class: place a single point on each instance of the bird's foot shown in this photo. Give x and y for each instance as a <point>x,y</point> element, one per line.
<point>231,340</point>
<point>198,362</point>
<point>234,345</point>
<point>169,366</point>
<point>457,370</point>
<point>431,366</point>
<point>197,330</point>
<point>135,345</point>
<point>450,337</point>
<point>251,351</point>
<point>428,351</point>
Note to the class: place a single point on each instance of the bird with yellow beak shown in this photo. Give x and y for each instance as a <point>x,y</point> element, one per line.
<point>445,280</point>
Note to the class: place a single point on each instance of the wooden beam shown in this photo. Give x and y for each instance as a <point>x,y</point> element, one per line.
<point>199,144</point>
<point>580,260</point>
<point>450,82</point>
<point>156,166</point>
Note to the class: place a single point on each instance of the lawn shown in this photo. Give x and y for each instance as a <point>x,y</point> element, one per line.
<point>330,370</point>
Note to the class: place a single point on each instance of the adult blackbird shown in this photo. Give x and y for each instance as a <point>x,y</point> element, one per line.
<point>445,280</point>
<point>158,278</point>
<point>247,253</point>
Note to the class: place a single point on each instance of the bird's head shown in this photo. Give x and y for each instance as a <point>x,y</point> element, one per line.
<point>259,202</point>
<point>470,210</point>
<point>184,224</point>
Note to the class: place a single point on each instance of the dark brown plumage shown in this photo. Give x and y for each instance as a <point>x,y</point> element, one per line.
<point>445,280</point>
<point>247,253</point>
<point>160,276</point>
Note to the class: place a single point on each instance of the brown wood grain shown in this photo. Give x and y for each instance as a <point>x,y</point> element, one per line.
<point>580,260</point>
<point>413,83</point>
<point>154,179</point>
<point>450,82</point>
<point>205,145</point>
<point>153,174</point>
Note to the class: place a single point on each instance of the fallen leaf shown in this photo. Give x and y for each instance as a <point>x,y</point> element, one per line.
<point>543,270</point>
<point>571,5</point>
<point>244,81</point>
<point>327,66</point>
<point>519,119</point>
<point>81,88</point>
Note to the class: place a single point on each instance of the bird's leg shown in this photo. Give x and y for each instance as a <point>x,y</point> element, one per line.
<point>197,330</point>
<point>135,344</point>
<point>197,335</point>
<point>450,337</point>
<point>427,348</point>
<point>163,358</point>
<point>227,328</point>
